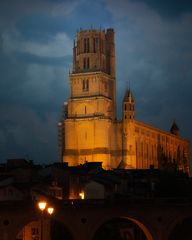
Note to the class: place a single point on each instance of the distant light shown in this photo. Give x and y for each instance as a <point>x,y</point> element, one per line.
<point>50,210</point>
<point>82,195</point>
<point>42,205</point>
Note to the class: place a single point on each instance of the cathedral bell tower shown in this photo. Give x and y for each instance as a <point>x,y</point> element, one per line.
<point>92,103</point>
<point>94,57</point>
<point>128,106</point>
<point>129,148</point>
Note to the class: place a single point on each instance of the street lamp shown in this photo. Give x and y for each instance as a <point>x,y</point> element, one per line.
<point>50,210</point>
<point>42,205</point>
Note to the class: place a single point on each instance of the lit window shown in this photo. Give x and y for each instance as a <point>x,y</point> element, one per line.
<point>82,195</point>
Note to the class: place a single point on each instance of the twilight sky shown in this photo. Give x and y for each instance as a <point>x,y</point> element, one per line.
<point>153,50</point>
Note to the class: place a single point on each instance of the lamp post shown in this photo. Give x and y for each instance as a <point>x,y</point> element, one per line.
<point>43,206</point>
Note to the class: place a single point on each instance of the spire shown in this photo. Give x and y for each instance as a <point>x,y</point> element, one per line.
<point>174,129</point>
<point>128,97</point>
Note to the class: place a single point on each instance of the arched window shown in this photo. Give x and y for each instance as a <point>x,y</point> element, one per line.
<point>94,45</point>
<point>85,86</point>
<point>84,63</point>
<point>85,45</point>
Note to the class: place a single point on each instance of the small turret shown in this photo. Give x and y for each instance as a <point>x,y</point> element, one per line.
<point>174,129</point>
<point>128,106</point>
<point>129,150</point>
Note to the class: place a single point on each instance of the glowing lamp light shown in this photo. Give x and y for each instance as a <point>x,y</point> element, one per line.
<point>50,210</point>
<point>42,205</point>
<point>82,195</point>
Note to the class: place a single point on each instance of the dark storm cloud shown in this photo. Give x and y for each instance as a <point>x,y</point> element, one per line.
<point>169,8</point>
<point>30,58</point>
<point>25,134</point>
<point>34,65</point>
<point>31,98</point>
<point>35,52</point>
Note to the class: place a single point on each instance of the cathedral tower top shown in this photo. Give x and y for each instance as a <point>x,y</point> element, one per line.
<point>94,50</point>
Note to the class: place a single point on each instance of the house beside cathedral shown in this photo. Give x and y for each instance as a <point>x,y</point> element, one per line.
<point>90,131</point>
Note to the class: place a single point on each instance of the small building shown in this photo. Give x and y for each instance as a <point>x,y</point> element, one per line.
<point>11,193</point>
<point>94,190</point>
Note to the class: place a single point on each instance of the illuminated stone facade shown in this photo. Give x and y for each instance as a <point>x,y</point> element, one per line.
<point>90,131</point>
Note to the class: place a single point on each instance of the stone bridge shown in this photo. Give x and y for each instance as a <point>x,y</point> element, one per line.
<point>157,218</point>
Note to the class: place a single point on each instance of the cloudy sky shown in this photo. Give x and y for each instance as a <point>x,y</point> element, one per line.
<point>153,49</point>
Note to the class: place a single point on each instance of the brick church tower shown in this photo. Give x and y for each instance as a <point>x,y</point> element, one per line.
<point>91,108</point>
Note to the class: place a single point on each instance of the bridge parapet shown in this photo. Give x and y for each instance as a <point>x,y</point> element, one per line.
<point>156,217</point>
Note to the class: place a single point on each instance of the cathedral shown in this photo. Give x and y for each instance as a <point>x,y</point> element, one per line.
<point>90,131</point>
